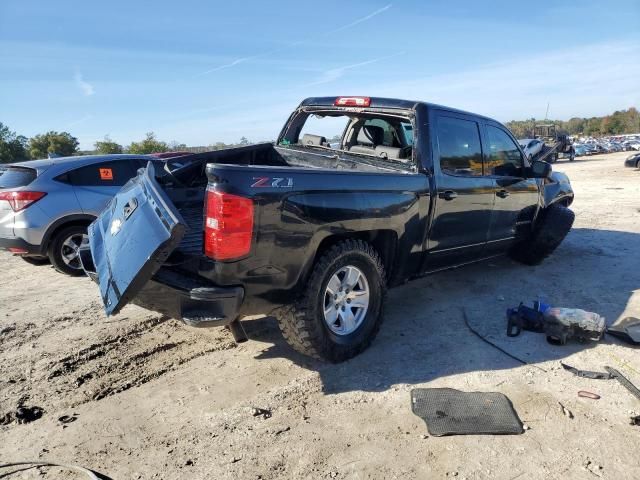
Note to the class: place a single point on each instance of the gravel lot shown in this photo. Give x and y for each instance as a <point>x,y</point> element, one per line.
<point>152,398</point>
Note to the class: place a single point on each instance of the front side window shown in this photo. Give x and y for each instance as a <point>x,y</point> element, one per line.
<point>504,158</point>
<point>459,146</point>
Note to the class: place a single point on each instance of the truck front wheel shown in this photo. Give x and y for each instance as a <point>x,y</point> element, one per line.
<point>548,233</point>
<point>340,311</point>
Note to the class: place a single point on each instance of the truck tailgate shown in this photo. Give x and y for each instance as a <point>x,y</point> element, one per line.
<point>132,238</point>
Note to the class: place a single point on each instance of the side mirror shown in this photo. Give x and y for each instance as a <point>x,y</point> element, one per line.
<point>539,169</point>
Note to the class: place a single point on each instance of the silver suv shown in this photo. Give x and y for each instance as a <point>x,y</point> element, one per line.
<point>46,205</point>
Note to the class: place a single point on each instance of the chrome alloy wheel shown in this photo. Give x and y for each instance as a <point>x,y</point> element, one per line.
<point>70,250</point>
<point>346,300</point>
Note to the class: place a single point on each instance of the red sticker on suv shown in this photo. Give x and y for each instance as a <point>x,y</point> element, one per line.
<point>106,174</point>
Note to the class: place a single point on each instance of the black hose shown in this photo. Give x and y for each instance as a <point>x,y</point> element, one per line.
<point>523,362</point>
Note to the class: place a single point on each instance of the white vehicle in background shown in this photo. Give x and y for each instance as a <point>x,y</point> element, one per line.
<point>531,146</point>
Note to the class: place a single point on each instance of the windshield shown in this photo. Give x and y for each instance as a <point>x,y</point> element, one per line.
<point>14,177</point>
<point>380,135</point>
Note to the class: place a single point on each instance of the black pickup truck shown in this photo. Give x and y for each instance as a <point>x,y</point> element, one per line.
<point>357,195</point>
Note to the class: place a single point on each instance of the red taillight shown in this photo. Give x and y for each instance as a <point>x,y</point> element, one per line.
<point>228,226</point>
<point>21,200</point>
<point>352,102</point>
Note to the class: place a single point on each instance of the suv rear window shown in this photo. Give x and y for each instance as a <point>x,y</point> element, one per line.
<point>14,177</point>
<point>115,173</point>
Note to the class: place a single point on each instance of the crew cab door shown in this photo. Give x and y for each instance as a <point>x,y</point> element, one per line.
<point>131,239</point>
<point>465,197</point>
<point>516,197</point>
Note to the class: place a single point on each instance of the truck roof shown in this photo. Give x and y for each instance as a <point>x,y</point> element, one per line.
<point>382,102</point>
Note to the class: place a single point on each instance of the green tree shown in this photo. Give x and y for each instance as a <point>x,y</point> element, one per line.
<point>13,148</point>
<point>149,145</point>
<point>244,141</point>
<point>177,147</point>
<point>58,143</point>
<point>219,146</point>
<point>107,146</point>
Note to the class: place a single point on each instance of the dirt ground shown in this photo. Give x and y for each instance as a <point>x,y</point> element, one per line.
<point>152,398</point>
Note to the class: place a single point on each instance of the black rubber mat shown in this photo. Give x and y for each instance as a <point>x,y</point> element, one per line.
<point>447,411</point>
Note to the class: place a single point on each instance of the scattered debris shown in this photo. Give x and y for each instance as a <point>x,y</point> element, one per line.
<point>558,324</point>
<point>261,412</point>
<point>587,373</point>
<point>22,415</point>
<point>635,420</point>
<point>282,430</point>
<point>624,381</point>
<point>627,329</point>
<point>236,459</point>
<point>525,427</point>
<point>585,394</point>
<point>566,411</point>
<point>65,419</point>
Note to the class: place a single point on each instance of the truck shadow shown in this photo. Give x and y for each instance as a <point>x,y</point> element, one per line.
<point>424,336</point>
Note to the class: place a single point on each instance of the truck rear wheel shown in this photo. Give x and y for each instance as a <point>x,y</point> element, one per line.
<point>548,234</point>
<point>340,312</point>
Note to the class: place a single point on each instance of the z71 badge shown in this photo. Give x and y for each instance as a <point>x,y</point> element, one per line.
<point>272,182</point>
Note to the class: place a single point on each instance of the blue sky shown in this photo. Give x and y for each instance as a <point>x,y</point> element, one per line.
<point>204,71</point>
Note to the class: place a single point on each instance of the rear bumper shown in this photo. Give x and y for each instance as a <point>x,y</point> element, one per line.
<point>19,246</point>
<point>196,302</point>
<point>197,306</point>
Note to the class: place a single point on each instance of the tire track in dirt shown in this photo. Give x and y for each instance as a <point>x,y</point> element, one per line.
<point>125,354</point>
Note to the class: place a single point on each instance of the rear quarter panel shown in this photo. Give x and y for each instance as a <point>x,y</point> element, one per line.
<point>293,219</point>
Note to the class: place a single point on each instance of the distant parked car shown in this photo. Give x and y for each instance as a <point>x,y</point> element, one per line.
<point>46,205</point>
<point>531,146</point>
<point>581,150</point>
<point>633,161</point>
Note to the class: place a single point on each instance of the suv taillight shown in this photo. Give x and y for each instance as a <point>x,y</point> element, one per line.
<point>21,200</point>
<point>228,225</point>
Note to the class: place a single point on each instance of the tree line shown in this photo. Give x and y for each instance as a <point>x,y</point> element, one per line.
<point>15,148</point>
<point>617,123</point>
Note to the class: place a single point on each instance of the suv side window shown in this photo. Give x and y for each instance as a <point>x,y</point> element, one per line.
<point>504,158</point>
<point>106,174</point>
<point>459,146</point>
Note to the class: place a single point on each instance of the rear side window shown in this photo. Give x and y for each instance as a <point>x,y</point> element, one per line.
<point>102,174</point>
<point>504,157</point>
<point>14,177</point>
<point>459,146</point>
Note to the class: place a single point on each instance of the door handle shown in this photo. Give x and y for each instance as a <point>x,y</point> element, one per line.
<point>448,195</point>
<point>502,193</point>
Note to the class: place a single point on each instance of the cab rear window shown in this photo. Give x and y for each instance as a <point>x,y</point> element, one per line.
<point>14,177</point>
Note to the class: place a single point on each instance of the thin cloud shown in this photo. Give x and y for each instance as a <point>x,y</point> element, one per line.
<point>334,74</point>
<point>363,19</point>
<point>226,65</point>
<point>85,87</point>
<point>296,43</point>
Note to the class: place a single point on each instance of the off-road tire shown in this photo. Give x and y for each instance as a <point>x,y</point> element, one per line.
<point>36,260</point>
<point>303,325</point>
<point>55,249</point>
<point>548,234</point>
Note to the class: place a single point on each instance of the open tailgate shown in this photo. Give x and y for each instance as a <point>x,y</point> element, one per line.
<point>131,239</point>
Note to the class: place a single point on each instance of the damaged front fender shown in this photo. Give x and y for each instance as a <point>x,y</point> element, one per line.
<point>557,189</point>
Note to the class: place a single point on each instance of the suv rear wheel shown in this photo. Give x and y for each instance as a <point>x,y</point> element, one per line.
<point>64,249</point>
<point>340,311</point>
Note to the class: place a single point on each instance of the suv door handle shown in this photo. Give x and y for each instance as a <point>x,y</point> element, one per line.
<point>448,195</point>
<point>502,193</point>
